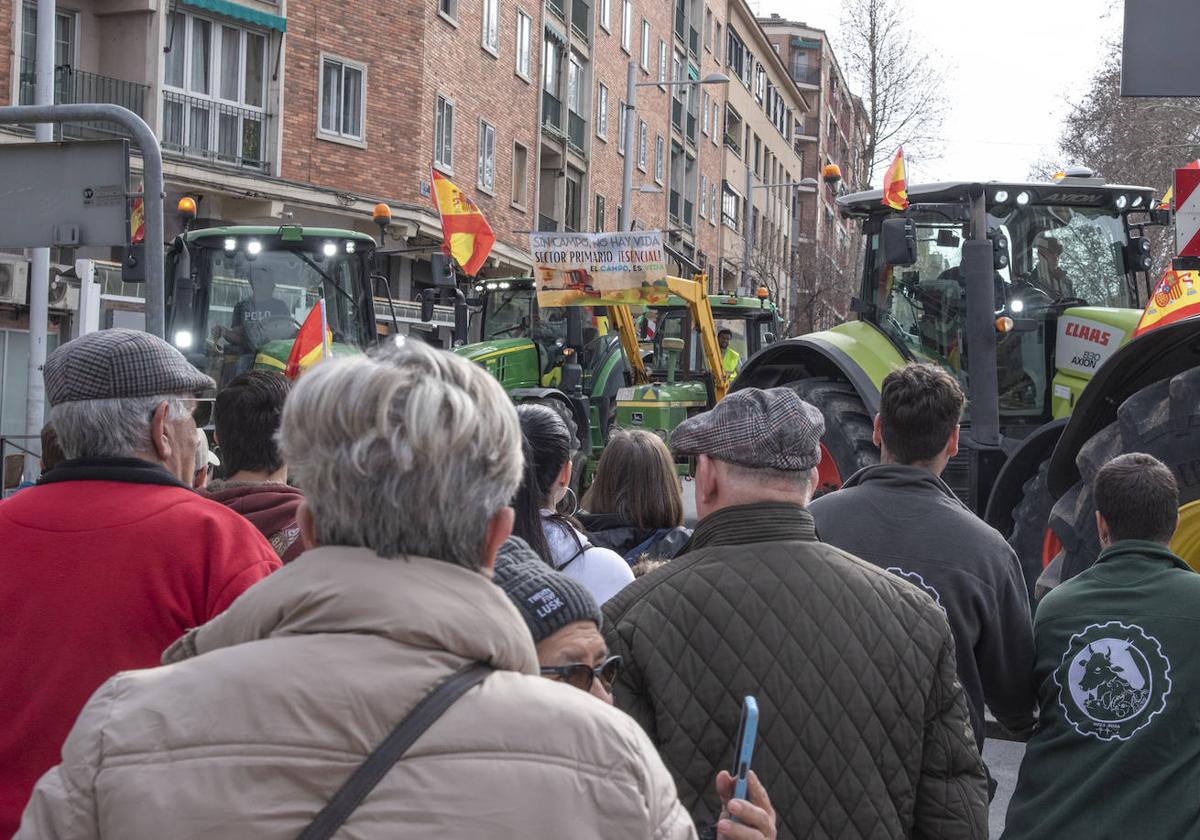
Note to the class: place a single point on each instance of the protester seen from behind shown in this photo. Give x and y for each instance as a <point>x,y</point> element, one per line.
<point>634,505</point>
<point>555,537</point>
<point>565,624</point>
<point>1115,753</point>
<point>902,517</point>
<point>246,416</point>
<point>863,728</point>
<point>112,556</point>
<point>266,711</point>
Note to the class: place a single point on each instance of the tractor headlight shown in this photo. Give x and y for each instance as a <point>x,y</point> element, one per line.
<point>183,339</point>
<point>1121,201</point>
<point>1022,198</point>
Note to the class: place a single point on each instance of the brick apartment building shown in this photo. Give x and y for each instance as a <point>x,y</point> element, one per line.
<point>832,132</point>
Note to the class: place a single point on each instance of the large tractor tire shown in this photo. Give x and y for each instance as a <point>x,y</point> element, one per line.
<point>1032,540</point>
<point>579,453</point>
<point>847,444</point>
<point>1162,420</point>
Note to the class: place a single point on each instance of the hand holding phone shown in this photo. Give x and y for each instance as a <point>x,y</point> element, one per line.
<point>743,752</point>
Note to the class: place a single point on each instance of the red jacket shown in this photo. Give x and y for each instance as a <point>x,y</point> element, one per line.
<point>105,563</point>
<point>270,507</point>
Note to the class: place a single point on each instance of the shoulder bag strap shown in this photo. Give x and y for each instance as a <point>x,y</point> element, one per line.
<point>384,757</point>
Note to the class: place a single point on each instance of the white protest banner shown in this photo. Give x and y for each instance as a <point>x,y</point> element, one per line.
<point>599,268</point>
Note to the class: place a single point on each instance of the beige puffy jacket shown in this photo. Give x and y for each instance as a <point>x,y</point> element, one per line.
<point>268,708</point>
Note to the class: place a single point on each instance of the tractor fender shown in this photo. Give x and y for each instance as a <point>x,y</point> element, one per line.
<point>1161,353</point>
<point>854,352</point>
<point>1022,463</point>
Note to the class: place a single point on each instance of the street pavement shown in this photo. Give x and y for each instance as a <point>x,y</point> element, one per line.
<point>1002,757</point>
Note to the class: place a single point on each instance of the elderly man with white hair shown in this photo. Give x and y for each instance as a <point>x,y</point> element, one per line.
<point>112,555</point>
<point>382,663</point>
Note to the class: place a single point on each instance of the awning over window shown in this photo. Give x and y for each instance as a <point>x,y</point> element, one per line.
<point>237,11</point>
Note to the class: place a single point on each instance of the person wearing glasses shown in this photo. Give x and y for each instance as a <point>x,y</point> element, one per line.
<point>565,623</point>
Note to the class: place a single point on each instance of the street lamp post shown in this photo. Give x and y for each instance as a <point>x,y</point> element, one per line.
<point>631,86</point>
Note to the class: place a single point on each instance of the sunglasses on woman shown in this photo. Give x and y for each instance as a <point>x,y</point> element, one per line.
<point>581,676</point>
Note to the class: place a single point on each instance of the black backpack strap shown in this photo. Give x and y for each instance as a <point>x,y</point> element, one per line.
<point>384,757</point>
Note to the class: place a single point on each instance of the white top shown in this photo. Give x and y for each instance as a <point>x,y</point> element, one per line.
<point>602,571</point>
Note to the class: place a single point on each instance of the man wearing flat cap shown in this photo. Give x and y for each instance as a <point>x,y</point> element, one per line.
<point>112,556</point>
<point>863,727</point>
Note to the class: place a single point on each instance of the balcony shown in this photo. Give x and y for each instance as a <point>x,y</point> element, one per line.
<point>581,16</point>
<point>806,75</point>
<point>576,131</point>
<point>77,87</point>
<point>551,113</point>
<point>806,127</point>
<point>214,131</point>
<point>557,7</point>
<point>733,144</point>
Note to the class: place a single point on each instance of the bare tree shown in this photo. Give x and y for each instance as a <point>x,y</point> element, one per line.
<point>900,83</point>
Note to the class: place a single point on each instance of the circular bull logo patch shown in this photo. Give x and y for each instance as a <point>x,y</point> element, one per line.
<point>1113,679</point>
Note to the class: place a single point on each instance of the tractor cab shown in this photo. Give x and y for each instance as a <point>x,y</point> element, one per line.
<point>742,325</point>
<point>1054,247</point>
<point>238,295</point>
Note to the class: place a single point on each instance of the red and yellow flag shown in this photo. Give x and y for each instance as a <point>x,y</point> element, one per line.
<point>1177,296</point>
<point>895,184</point>
<point>137,221</point>
<point>1164,203</point>
<point>313,343</point>
<point>467,237</point>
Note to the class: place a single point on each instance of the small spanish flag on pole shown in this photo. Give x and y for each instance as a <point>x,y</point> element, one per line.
<point>313,343</point>
<point>467,237</point>
<point>895,183</point>
<point>137,221</point>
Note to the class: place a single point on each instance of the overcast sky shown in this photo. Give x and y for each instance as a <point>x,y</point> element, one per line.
<point>1012,70</point>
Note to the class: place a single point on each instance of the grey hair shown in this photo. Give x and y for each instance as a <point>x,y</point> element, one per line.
<point>112,428</point>
<point>408,451</point>
<point>795,481</point>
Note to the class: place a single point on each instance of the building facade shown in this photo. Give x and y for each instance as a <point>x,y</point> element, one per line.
<point>832,132</point>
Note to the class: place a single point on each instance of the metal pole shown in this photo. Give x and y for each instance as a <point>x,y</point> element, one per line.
<point>748,227</point>
<point>627,173</point>
<point>39,275</point>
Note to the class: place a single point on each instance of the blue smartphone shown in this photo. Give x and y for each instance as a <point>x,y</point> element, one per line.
<point>744,752</point>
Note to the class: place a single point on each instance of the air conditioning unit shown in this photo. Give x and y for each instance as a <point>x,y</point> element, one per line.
<point>64,294</point>
<point>14,279</point>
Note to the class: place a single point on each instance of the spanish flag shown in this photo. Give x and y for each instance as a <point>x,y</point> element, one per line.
<point>895,185</point>
<point>137,221</point>
<point>313,343</point>
<point>467,237</point>
<point>1177,296</point>
<point>1164,203</point>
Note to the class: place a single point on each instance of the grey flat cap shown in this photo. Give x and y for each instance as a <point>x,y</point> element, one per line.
<point>111,364</point>
<point>760,429</point>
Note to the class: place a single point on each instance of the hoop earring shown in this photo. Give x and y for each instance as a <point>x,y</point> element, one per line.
<point>574,502</point>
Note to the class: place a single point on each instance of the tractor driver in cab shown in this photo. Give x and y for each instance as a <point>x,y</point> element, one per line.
<point>731,359</point>
<point>251,317</point>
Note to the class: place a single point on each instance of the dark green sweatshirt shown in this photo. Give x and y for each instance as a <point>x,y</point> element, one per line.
<point>1117,752</point>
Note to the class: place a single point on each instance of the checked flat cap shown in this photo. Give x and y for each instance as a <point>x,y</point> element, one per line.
<point>111,364</point>
<point>760,429</point>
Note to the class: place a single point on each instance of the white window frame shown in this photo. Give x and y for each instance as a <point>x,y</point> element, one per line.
<point>660,151</point>
<point>627,26</point>
<point>525,53</point>
<point>662,64</point>
<point>644,55</point>
<point>605,11</point>
<point>704,114</point>
<point>481,165</point>
<point>450,15</point>
<point>446,166</point>
<point>490,14</point>
<point>621,117</point>
<point>340,136</point>
<point>703,197</point>
<point>712,201</point>
<point>523,180</point>
<point>602,112</point>
<point>643,144</point>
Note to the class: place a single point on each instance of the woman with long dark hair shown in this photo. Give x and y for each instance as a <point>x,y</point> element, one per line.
<point>556,537</point>
<point>634,505</point>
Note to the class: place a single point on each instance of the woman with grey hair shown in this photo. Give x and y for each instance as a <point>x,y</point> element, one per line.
<point>408,459</point>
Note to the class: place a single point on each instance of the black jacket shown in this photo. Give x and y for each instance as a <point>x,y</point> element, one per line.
<point>863,729</point>
<point>906,520</point>
<point>608,530</point>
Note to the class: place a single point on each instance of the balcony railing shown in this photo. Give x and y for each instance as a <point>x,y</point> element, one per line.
<point>806,127</point>
<point>217,132</point>
<point>732,143</point>
<point>546,224</point>
<point>551,113</point>
<point>576,131</point>
<point>581,16</point>
<point>556,6</point>
<point>77,87</point>
<point>806,75</point>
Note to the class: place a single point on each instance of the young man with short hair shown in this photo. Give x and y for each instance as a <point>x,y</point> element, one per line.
<point>246,416</point>
<point>1116,752</point>
<point>902,517</point>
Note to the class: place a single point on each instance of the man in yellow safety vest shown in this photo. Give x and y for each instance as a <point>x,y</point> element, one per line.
<point>731,359</point>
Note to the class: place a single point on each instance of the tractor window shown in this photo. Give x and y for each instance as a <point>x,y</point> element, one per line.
<point>735,347</point>
<point>508,314</point>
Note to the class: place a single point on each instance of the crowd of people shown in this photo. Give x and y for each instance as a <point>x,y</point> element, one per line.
<point>381,604</point>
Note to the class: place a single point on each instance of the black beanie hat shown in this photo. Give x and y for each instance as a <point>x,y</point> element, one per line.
<point>546,599</point>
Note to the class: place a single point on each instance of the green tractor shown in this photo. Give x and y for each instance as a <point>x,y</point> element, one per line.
<point>236,296</point>
<point>1028,293</point>
<point>601,368</point>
